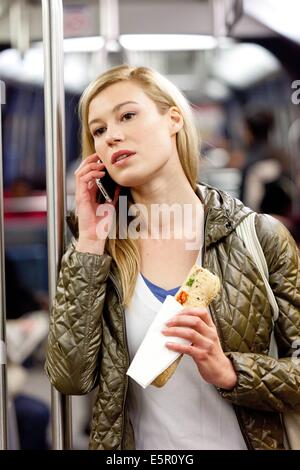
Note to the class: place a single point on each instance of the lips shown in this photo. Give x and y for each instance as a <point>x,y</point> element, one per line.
<point>121,153</point>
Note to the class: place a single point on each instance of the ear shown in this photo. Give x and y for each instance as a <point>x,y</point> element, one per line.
<point>176,120</point>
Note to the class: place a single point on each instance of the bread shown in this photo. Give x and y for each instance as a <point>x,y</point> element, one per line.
<point>198,290</point>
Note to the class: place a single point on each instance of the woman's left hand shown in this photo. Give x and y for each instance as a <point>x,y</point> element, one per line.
<point>196,325</point>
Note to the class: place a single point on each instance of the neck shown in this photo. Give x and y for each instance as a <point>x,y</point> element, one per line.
<point>170,187</point>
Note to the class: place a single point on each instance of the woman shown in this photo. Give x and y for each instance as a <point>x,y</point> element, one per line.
<point>226,392</point>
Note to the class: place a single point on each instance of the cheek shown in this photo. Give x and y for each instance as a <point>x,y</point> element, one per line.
<point>155,134</point>
<point>158,139</point>
<point>98,145</point>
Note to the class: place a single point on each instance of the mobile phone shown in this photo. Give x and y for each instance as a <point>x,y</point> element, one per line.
<point>106,188</point>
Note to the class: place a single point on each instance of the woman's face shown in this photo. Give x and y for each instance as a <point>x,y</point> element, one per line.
<point>132,138</point>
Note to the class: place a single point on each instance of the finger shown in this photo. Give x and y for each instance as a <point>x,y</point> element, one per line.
<point>200,312</point>
<point>190,321</point>
<point>90,166</point>
<point>94,158</point>
<point>188,349</point>
<point>92,174</point>
<point>90,158</point>
<point>185,333</point>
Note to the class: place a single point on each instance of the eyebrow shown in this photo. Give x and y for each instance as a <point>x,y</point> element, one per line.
<point>116,108</point>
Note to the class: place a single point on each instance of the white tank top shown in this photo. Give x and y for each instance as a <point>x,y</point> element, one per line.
<point>187,413</point>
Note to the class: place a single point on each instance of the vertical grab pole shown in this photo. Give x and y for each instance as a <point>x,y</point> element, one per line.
<point>3,376</point>
<point>56,195</point>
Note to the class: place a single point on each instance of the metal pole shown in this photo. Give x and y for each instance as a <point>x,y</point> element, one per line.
<point>218,18</point>
<point>56,196</point>
<point>3,377</point>
<point>19,25</point>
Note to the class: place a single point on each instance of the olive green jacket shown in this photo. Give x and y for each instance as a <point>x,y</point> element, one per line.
<point>87,340</point>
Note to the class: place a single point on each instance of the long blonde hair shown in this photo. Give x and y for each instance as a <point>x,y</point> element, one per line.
<point>165,94</point>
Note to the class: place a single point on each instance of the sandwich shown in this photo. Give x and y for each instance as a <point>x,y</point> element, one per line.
<point>198,290</point>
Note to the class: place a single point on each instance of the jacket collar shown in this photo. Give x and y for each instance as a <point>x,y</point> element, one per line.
<point>222,214</point>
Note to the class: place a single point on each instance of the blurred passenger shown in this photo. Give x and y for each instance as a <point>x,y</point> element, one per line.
<point>27,325</point>
<point>19,299</point>
<point>266,185</point>
<point>32,415</point>
<point>21,187</point>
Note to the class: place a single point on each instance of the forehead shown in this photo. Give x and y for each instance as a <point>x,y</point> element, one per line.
<point>116,94</point>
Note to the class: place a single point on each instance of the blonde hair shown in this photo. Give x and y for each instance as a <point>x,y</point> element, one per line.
<point>165,94</point>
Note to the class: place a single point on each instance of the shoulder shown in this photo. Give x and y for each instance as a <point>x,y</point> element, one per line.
<point>271,229</point>
<point>222,204</point>
<point>277,243</point>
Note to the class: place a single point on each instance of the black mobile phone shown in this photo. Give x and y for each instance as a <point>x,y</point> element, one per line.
<point>106,188</point>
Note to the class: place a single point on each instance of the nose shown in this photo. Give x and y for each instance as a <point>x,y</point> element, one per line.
<point>113,135</point>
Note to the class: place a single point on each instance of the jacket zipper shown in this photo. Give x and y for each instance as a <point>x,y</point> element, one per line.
<point>127,358</point>
<point>237,412</point>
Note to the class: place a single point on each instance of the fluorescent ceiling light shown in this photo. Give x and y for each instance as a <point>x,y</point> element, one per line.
<point>84,44</point>
<point>167,42</point>
<point>29,69</point>
<point>244,64</point>
<point>141,42</point>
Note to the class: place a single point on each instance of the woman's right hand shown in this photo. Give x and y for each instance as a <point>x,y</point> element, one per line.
<point>86,205</point>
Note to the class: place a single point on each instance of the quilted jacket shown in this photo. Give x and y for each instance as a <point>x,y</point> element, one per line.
<point>87,340</point>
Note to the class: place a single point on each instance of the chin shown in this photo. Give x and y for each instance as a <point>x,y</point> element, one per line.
<point>132,179</point>
<point>131,182</point>
<point>135,176</point>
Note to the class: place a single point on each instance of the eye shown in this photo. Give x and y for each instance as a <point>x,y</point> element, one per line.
<point>127,116</point>
<point>98,132</point>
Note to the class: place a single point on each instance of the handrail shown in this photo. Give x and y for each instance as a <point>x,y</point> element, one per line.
<point>33,203</point>
<point>52,11</point>
<point>3,370</point>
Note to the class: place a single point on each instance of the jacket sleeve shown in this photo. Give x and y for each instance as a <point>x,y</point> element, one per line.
<point>75,322</point>
<point>263,382</point>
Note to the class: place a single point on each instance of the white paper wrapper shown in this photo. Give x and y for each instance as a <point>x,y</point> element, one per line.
<point>153,357</point>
